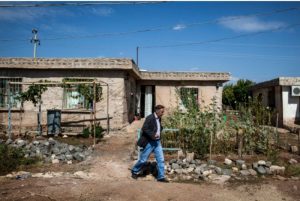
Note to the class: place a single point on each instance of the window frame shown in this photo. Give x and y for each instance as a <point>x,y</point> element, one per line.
<point>183,92</point>
<point>15,89</point>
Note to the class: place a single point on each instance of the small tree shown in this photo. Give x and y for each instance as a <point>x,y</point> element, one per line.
<point>233,95</point>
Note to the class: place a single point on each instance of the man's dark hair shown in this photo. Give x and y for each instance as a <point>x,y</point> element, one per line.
<point>158,107</point>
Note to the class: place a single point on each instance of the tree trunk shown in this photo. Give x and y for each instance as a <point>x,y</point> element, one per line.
<point>210,146</point>
<point>240,142</point>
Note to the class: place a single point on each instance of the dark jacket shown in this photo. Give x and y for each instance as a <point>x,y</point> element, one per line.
<point>149,130</point>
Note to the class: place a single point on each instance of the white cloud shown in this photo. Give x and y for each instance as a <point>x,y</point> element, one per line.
<point>248,24</point>
<point>31,14</point>
<point>179,27</point>
<point>103,11</point>
<point>194,69</point>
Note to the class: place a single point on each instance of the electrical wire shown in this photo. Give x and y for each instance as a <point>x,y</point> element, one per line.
<point>161,28</point>
<point>220,39</point>
<point>78,4</point>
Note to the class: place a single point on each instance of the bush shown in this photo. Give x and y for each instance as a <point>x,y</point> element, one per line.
<point>98,131</point>
<point>12,158</point>
<point>86,132</point>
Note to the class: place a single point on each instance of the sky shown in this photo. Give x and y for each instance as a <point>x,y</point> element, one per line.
<point>258,41</point>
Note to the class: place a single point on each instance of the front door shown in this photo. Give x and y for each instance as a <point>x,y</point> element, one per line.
<point>147,100</point>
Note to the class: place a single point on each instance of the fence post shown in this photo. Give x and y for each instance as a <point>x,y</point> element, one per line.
<point>9,113</point>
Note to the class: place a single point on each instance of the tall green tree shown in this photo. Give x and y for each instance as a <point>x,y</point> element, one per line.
<point>235,94</point>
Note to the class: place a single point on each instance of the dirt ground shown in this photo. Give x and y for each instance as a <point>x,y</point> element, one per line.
<point>111,180</point>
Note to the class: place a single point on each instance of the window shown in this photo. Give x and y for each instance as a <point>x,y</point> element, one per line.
<point>14,90</point>
<point>73,99</point>
<point>188,97</point>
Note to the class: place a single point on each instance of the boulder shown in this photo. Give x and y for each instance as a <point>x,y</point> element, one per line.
<point>180,155</point>
<point>293,161</point>
<point>275,169</point>
<point>190,156</point>
<point>227,161</point>
<point>261,170</point>
<point>261,163</point>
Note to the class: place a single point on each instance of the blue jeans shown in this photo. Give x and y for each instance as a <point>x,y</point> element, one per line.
<point>152,146</point>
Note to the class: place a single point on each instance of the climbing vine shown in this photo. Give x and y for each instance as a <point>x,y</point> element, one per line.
<point>33,94</point>
<point>85,90</point>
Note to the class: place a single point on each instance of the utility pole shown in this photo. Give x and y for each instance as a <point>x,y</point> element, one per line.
<point>35,41</point>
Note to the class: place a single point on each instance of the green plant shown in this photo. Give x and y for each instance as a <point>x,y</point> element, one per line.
<point>12,158</point>
<point>99,132</point>
<point>86,132</point>
<point>273,155</point>
<point>253,122</point>
<point>84,89</point>
<point>233,95</point>
<point>293,170</point>
<point>197,127</point>
<point>33,94</point>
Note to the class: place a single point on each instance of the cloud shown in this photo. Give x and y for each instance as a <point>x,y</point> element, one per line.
<point>103,11</point>
<point>59,30</point>
<point>194,69</point>
<point>179,27</point>
<point>31,14</point>
<point>248,24</point>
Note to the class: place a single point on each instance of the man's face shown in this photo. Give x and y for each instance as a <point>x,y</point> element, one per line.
<point>160,112</point>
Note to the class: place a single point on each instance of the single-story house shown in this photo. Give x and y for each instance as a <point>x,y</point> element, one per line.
<point>128,91</point>
<point>282,94</point>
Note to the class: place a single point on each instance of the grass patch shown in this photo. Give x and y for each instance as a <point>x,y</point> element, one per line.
<point>12,158</point>
<point>293,170</point>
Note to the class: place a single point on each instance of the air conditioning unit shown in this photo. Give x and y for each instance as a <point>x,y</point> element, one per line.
<point>295,90</point>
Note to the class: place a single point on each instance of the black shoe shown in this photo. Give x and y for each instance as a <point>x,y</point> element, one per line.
<point>134,176</point>
<point>164,180</point>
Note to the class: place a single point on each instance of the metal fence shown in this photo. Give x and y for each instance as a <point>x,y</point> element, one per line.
<point>168,140</point>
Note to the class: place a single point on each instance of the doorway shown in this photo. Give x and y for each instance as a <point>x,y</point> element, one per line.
<point>147,100</point>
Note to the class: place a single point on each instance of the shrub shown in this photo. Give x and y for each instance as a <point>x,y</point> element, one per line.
<point>12,158</point>
<point>86,132</point>
<point>99,132</point>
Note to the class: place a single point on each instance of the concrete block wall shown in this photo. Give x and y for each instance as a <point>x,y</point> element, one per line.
<point>53,99</point>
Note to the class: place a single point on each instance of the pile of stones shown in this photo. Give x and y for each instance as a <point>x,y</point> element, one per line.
<point>51,151</point>
<point>192,169</point>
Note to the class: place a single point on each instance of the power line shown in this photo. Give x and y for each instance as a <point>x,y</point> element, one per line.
<point>161,28</point>
<point>78,4</point>
<point>220,39</point>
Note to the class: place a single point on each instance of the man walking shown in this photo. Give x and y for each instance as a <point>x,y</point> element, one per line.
<point>150,141</point>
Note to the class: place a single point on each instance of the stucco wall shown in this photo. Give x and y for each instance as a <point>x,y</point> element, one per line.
<point>291,110</point>
<point>53,97</point>
<point>166,95</point>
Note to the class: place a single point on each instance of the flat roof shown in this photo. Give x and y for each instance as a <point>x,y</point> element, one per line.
<point>107,64</point>
<point>280,81</point>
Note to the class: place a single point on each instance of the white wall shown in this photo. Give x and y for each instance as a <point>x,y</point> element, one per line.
<point>290,105</point>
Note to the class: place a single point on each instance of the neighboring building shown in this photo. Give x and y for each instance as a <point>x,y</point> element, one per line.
<point>131,91</point>
<point>282,94</point>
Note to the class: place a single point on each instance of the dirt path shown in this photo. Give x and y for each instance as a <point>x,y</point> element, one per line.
<point>110,180</point>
